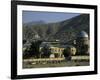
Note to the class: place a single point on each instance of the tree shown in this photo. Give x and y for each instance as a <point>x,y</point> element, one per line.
<point>33,51</point>
<point>24,41</point>
<point>85,49</point>
<point>67,53</point>
<point>34,48</point>
<point>46,51</point>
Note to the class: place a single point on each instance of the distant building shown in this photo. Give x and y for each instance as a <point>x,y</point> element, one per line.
<point>57,48</point>
<point>82,43</point>
<point>36,36</point>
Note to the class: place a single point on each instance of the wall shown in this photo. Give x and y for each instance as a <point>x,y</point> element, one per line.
<point>5,29</point>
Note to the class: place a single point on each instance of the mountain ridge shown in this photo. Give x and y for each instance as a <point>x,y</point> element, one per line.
<point>64,30</point>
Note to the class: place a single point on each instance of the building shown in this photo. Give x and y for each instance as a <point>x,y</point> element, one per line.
<point>82,43</point>
<point>57,48</point>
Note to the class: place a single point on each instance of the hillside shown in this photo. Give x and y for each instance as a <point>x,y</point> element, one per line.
<point>64,30</point>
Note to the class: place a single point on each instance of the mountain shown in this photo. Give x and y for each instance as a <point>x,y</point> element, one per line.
<point>34,23</point>
<point>65,30</point>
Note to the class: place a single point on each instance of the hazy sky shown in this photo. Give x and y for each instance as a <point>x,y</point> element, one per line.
<point>29,16</point>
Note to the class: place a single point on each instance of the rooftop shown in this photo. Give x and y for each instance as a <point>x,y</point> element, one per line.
<point>82,34</point>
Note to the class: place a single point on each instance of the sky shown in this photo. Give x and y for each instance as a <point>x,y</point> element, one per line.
<point>48,17</point>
